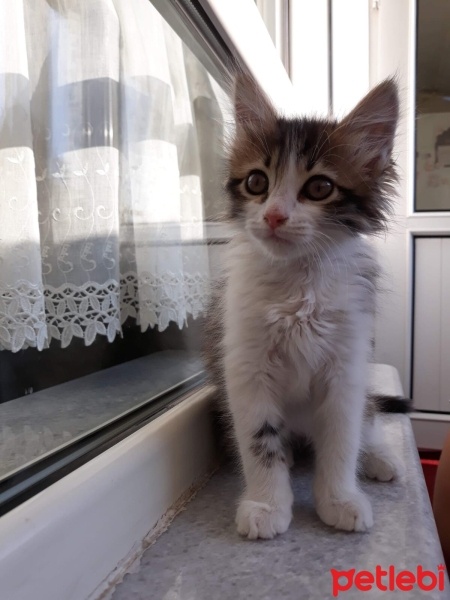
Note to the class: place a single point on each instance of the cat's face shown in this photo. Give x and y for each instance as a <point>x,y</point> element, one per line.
<point>299,184</point>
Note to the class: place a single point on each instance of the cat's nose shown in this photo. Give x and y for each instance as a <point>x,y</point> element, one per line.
<point>274,218</point>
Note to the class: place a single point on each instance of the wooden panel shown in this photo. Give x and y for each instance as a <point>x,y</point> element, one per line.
<point>427,324</point>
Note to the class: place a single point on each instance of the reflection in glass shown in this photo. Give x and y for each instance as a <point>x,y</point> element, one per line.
<point>433,106</point>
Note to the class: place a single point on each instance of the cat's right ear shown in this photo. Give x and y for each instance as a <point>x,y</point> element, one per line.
<point>252,109</point>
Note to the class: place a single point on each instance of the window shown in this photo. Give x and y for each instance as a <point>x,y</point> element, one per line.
<point>111,124</point>
<point>430,356</point>
<point>433,107</point>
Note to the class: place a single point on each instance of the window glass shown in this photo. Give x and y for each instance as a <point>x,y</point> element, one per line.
<point>433,106</point>
<point>112,116</point>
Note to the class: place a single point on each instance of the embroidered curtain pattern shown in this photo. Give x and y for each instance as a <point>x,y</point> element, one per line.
<point>109,137</point>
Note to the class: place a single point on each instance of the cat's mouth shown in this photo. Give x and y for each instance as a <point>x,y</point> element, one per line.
<point>275,236</point>
<point>280,236</point>
<point>281,242</point>
<point>277,242</point>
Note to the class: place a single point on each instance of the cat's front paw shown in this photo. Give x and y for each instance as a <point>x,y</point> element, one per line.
<point>350,512</point>
<point>260,520</point>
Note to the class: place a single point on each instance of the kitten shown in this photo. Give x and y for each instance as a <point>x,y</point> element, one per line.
<point>289,332</point>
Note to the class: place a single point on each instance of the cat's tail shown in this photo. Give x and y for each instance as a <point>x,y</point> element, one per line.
<point>391,404</point>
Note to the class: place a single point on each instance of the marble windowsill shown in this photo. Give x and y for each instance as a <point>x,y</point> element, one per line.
<point>201,556</point>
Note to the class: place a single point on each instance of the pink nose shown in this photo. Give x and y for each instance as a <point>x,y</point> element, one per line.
<point>274,218</point>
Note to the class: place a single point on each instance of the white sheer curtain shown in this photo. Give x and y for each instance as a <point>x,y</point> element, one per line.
<point>104,119</point>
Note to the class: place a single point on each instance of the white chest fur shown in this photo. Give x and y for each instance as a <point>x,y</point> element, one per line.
<point>299,313</point>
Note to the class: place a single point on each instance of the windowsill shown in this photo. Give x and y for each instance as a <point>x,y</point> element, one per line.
<point>77,538</point>
<point>202,556</point>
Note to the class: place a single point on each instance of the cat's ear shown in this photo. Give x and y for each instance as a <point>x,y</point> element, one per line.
<point>252,109</point>
<point>370,127</point>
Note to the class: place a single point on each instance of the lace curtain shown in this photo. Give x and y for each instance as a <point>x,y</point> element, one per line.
<point>109,127</point>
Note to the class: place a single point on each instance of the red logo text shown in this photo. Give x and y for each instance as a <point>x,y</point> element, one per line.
<point>387,580</point>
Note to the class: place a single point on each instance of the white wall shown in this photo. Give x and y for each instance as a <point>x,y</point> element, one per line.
<point>391,43</point>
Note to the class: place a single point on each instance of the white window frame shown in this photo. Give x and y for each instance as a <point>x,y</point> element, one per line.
<point>350,54</point>
<point>275,14</point>
<point>309,35</point>
<point>240,24</point>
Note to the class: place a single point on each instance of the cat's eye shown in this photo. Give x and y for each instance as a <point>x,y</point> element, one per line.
<point>318,187</point>
<point>257,183</point>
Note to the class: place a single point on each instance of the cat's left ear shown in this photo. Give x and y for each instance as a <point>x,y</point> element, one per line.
<point>370,127</point>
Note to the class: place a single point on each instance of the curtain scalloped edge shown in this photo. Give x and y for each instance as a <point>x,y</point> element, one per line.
<point>33,316</point>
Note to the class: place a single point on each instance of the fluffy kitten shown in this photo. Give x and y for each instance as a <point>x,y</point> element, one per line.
<point>289,332</point>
